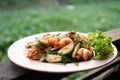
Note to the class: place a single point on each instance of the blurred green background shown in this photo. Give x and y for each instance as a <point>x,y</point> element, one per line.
<point>21,18</point>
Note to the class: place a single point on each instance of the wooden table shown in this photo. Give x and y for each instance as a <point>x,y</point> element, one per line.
<point>9,70</point>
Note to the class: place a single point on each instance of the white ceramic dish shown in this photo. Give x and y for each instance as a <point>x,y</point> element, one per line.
<point>16,54</point>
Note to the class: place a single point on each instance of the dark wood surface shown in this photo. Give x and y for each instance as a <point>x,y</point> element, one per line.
<point>115,34</point>
<point>10,71</point>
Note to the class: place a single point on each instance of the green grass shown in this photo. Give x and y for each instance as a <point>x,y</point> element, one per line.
<point>6,4</point>
<point>18,23</point>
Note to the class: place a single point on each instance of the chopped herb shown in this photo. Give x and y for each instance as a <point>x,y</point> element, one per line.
<point>78,39</point>
<point>36,43</point>
<point>52,50</point>
<point>84,43</point>
<point>65,59</point>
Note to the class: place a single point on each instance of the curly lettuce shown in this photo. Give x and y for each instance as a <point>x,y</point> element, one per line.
<point>101,44</point>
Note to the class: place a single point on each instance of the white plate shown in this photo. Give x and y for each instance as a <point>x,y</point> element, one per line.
<point>16,54</point>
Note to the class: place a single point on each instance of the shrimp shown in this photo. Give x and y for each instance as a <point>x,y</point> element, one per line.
<point>83,53</point>
<point>46,39</point>
<point>33,50</point>
<point>55,40</point>
<point>65,41</point>
<point>74,36</point>
<point>50,40</point>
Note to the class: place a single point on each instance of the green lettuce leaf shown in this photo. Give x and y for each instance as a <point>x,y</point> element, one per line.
<point>101,44</point>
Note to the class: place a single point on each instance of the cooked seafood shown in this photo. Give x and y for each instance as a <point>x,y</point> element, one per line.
<point>68,47</point>
<point>52,46</point>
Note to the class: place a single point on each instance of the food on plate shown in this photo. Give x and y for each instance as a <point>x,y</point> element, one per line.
<point>101,45</point>
<point>53,58</point>
<point>69,47</point>
<point>66,49</point>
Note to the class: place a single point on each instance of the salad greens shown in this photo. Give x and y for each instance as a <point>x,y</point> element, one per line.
<point>101,44</point>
